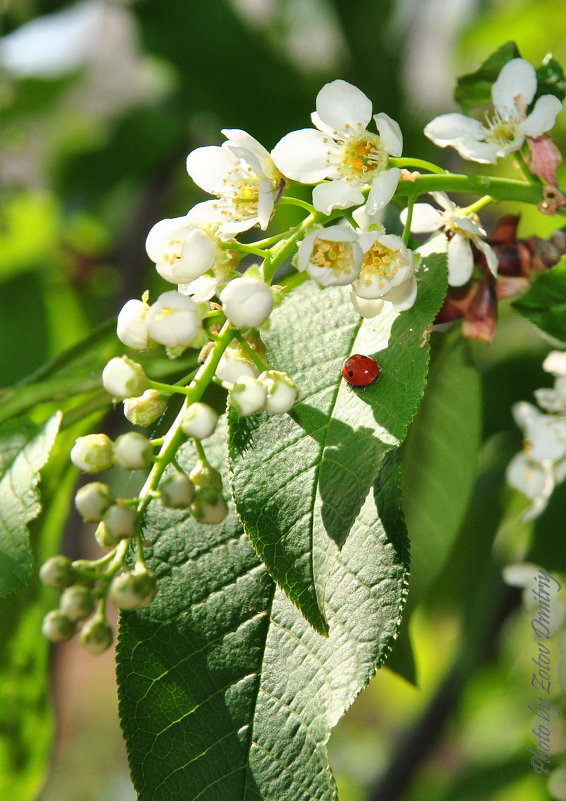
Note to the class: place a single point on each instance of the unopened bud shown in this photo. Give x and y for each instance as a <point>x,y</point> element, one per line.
<point>92,453</point>
<point>105,538</point>
<point>121,521</point>
<point>123,378</point>
<point>133,451</point>
<point>77,602</point>
<point>203,475</point>
<point>246,302</point>
<point>234,365</point>
<point>248,396</point>
<point>199,420</point>
<point>93,500</point>
<point>96,636</point>
<point>146,409</point>
<point>173,321</point>
<point>57,627</point>
<point>177,491</point>
<point>209,506</point>
<point>132,325</point>
<point>281,391</point>
<point>133,590</point>
<point>57,572</point>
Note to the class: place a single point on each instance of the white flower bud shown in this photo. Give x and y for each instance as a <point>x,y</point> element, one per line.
<point>177,491</point>
<point>132,325</point>
<point>281,391</point>
<point>555,363</point>
<point>248,396</point>
<point>57,572</point>
<point>123,378</point>
<point>199,420</point>
<point>96,636</point>
<point>104,538</point>
<point>209,506</point>
<point>367,308</point>
<point>92,453</point>
<point>235,365</point>
<point>133,451</point>
<point>93,500</point>
<point>133,590</point>
<point>146,409</point>
<point>203,475</point>
<point>77,602</point>
<point>173,320</point>
<point>121,521</point>
<point>247,302</point>
<point>57,627</point>
<point>197,257</point>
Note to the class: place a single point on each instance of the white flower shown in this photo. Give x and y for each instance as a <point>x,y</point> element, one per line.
<point>181,249</point>
<point>387,271</point>
<point>343,150</point>
<point>123,378</point>
<point>132,325</point>
<point>199,420</point>
<point>248,395</point>
<point>462,231</point>
<point>234,365</point>
<point>93,500</point>
<point>242,175</point>
<point>92,453</point>
<point>173,320</point>
<point>506,129</point>
<point>281,391</point>
<point>177,491</point>
<point>533,479</point>
<point>331,256</point>
<point>366,308</point>
<point>201,289</point>
<point>133,451</point>
<point>545,434</point>
<point>554,400</point>
<point>555,363</point>
<point>246,302</point>
<point>121,521</point>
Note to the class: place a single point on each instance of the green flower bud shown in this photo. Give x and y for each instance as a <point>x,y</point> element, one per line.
<point>177,491</point>
<point>121,521</point>
<point>57,627</point>
<point>57,572</point>
<point>202,475</point>
<point>133,451</point>
<point>93,500</point>
<point>124,378</point>
<point>133,590</point>
<point>105,538</point>
<point>209,506</point>
<point>145,410</point>
<point>96,636</point>
<point>92,453</point>
<point>77,602</point>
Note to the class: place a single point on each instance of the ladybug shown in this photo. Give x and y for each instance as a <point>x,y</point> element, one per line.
<point>360,371</point>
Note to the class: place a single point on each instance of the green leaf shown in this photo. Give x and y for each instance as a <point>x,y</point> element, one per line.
<point>300,480</point>
<point>550,78</point>
<point>440,459</point>
<point>474,88</point>
<point>226,692</point>
<point>544,304</point>
<point>20,502</point>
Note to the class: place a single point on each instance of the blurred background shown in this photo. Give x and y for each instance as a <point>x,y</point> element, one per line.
<point>99,104</point>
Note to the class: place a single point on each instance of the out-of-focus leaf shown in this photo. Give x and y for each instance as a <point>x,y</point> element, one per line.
<point>226,692</point>
<point>544,304</point>
<point>550,78</point>
<point>20,504</point>
<point>474,89</point>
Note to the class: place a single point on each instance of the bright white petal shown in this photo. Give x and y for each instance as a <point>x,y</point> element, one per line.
<point>490,255</point>
<point>338,233</point>
<point>336,195</point>
<point>318,123</point>
<point>524,413</point>
<point>442,199</point>
<point>482,152</point>
<point>382,189</point>
<point>304,251</point>
<point>209,166</point>
<point>342,106</point>
<point>364,307</point>
<point>265,204</point>
<point>368,222</point>
<point>460,261</point>
<point>243,139</point>
<point>516,79</point>
<point>301,155</point>
<point>546,436</point>
<point>448,128</point>
<point>166,238</point>
<point>425,218</point>
<point>438,243</point>
<point>403,296</point>
<point>542,117</point>
<point>555,363</point>
<point>390,134</point>
<point>206,212</point>
<point>526,476</point>
<point>201,289</point>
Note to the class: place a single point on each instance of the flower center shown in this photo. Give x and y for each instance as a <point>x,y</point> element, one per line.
<point>502,132</point>
<point>173,251</point>
<point>336,256</point>
<point>451,226</point>
<point>380,262</point>
<point>360,158</point>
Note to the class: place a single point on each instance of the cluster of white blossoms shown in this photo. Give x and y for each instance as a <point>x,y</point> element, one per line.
<point>541,465</point>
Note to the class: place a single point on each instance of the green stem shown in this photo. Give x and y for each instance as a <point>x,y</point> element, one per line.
<point>232,245</point>
<point>479,204</point>
<point>420,163</point>
<point>409,220</point>
<point>169,389</point>
<point>271,240</point>
<point>201,452</point>
<point>255,357</point>
<point>288,200</point>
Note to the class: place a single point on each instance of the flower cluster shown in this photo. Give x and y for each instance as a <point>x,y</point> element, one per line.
<point>541,465</point>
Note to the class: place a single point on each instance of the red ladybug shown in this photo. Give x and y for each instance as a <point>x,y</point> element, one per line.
<point>360,371</point>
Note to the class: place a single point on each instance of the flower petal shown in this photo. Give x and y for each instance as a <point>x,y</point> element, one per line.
<point>482,152</point>
<point>365,307</point>
<point>208,167</point>
<point>517,79</point>
<point>448,128</point>
<point>318,123</point>
<point>490,255</point>
<point>425,218</point>
<point>526,476</point>
<point>342,106</point>
<point>542,117</point>
<point>382,189</point>
<point>301,156</point>
<point>243,139</point>
<point>460,261</point>
<point>390,134</point>
<point>336,195</point>
<point>368,222</point>
<point>403,296</point>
